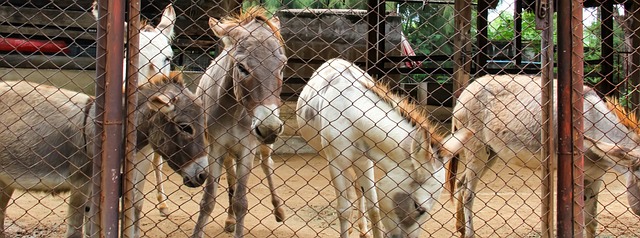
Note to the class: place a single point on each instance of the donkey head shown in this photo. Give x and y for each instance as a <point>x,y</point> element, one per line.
<point>155,51</point>
<point>155,46</point>
<point>624,160</point>
<point>173,124</point>
<point>257,51</point>
<point>408,193</point>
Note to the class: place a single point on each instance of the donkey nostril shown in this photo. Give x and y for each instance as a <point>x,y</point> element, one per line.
<point>258,132</point>
<point>202,177</point>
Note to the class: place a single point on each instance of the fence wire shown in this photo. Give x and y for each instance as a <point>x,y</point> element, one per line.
<point>338,144</point>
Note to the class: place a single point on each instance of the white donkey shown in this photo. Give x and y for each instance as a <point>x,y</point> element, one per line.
<point>354,121</point>
<point>505,113</point>
<point>154,58</point>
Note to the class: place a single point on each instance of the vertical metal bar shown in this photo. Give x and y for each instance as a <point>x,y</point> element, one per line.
<point>577,101</point>
<point>101,49</point>
<point>606,86</point>
<point>518,30</point>
<point>381,10</point>
<point>462,46</point>
<point>544,22</point>
<point>372,37</point>
<point>634,62</point>
<point>133,51</point>
<point>570,71</point>
<point>483,41</point>
<point>111,155</point>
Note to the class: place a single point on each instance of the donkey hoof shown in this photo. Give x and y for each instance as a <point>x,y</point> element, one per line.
<point>279,214</point>
<point>229,227</point>
<point>164,211</point>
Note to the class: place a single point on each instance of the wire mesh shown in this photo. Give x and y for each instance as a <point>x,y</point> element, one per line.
<point>339,142</point>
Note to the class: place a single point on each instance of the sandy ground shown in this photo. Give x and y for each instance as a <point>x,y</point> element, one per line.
<point>507,206</point>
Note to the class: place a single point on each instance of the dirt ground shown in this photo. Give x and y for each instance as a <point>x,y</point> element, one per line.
<point>507,206</point>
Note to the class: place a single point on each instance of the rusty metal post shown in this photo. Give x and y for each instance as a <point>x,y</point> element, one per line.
<point>483,39</point>
<point>112,135</point>
<point>462,46</point>
<point>108,140</point>
<point>375,38</point>
<point>517,18</point>
<point>101,49</point>
<point>128,219</point>
<point>570,124</point>
<point>544,22</point>
<point>606,86</point>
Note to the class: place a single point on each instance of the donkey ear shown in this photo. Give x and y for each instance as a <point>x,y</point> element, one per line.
<point>218,28</point>
<point>275,21</point>
<point>618,154</point>
<point>94,9</point>
<point>454,143</point>
<point>168,21</point>
<point>221,31</point>
<point>161,102</point>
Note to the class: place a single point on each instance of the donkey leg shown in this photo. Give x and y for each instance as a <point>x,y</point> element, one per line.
<point>229,165</point>
<point>477,163</point>
<point>161,195</point>
<point>240,204</point>
<point>365,179</point>
<point>78,201</point>
<point>591,190</point>
<point>208,201</point>
<point>338,165</point>
<point>267,168</point>
<point>363,224</point>
<point>356,196</point>
<point>141,168</point>
<point>5,197</point>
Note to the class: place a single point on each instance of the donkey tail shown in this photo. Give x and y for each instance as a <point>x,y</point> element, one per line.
<point>451,172</point>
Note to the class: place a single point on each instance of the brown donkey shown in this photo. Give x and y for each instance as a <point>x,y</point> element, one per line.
<point>46,138</point>
<point>241,95</point>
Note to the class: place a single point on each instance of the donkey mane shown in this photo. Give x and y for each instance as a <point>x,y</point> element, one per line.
<point>628,119</point>
<point>414,114</point>
<point>175,77</point>
<point>253,13</point>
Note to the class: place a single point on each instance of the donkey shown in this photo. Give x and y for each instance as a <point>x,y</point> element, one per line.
<point>355,122</point>
<point>505,114</point>
<point>47,136</point>
<point>241,95</point>
<point>154,58</point>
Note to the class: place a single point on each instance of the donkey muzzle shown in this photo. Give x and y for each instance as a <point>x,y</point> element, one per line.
<point>266,124</point>
<point>268,135</point>
<point>196,173</point>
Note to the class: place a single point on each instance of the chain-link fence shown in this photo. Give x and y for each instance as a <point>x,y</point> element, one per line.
<point>446,134</point>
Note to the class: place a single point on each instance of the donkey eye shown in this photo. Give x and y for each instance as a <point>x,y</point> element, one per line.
<point>187,128</point>
<point>242,69</point>
<point>167,61</point>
